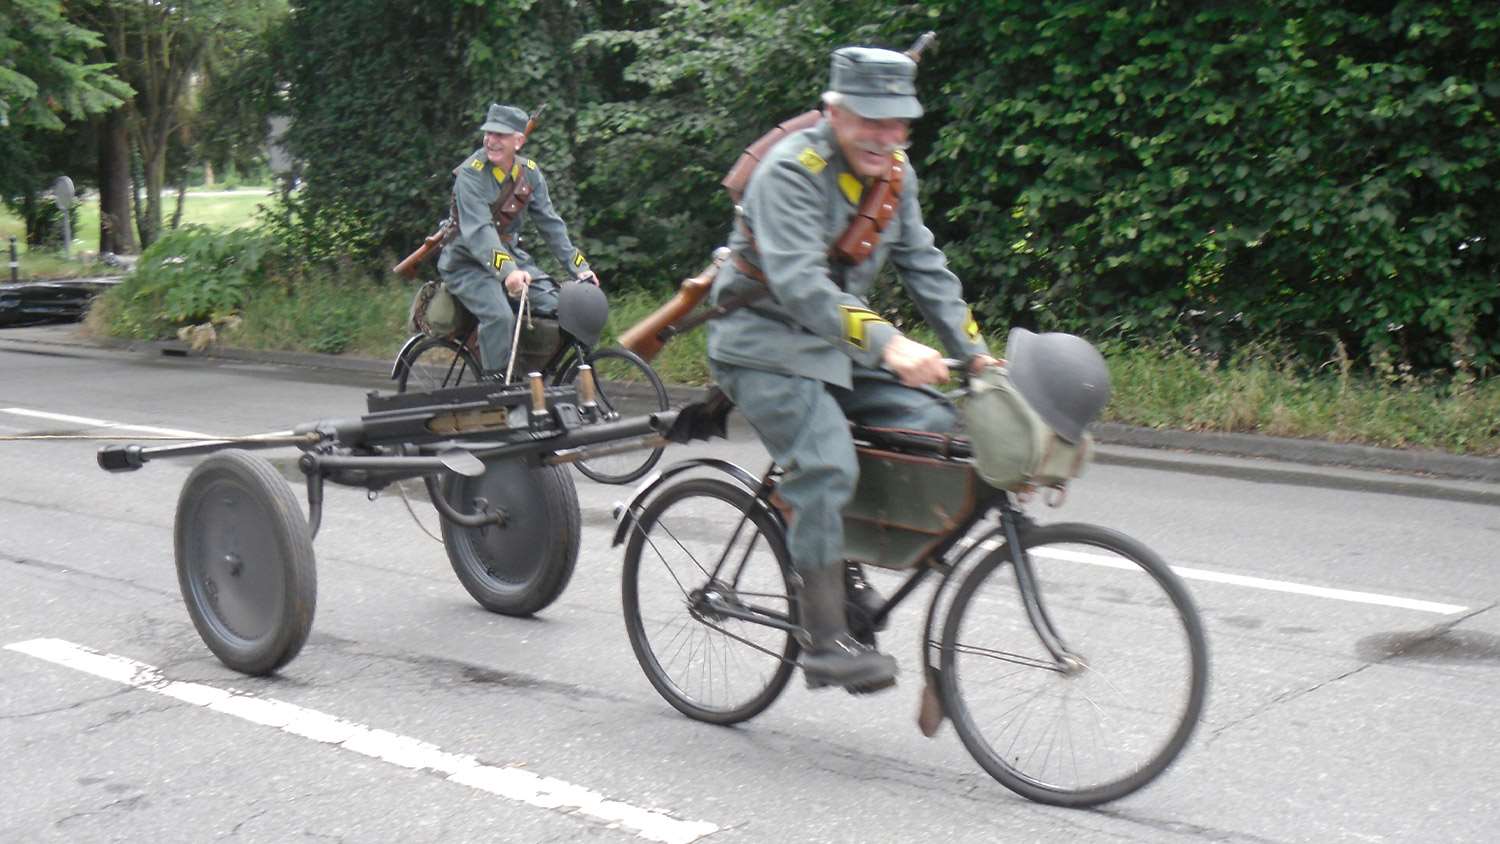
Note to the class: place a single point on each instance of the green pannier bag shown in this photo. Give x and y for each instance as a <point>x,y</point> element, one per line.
<point>903,505</point>
<point>433,310</point>
<point>1013,447</point>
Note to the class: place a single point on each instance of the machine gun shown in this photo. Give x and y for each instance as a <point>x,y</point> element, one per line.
<point>490,455</point>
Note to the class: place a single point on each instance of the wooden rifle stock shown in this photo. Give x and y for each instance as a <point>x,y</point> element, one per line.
<point>409,264</point>
<point>646,337</point>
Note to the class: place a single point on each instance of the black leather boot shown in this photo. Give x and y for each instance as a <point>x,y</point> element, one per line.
<point>833,657</point>
<point>864,603</point>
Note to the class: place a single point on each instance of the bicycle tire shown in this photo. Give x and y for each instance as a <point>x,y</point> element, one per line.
<point>614,367</point>
<point>437,363</point>
<point>521,567</point>
<point>1121,609</point>
<point>679,525</point>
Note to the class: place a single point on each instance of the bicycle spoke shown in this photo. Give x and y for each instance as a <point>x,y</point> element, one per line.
<point>707,662</point>
<point>1063,732</point>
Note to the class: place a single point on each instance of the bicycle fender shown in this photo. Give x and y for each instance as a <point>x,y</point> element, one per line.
<point>625,513</point>
<point>933,710</point>
<point>400,361</point>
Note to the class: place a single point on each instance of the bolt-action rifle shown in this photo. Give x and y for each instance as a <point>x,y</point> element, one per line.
<point>448,228</point>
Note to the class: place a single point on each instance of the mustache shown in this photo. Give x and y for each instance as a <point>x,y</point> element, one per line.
<point>883,149</point>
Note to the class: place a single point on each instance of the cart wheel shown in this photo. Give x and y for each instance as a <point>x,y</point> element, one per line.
<point>522,566</point>
<point>245,562</point>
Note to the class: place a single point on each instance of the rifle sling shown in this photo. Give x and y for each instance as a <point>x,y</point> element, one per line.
<point>839,253</point>
<point>697,318</point>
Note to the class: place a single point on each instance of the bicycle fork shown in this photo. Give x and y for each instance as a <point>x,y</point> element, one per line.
<point>1031,598</point>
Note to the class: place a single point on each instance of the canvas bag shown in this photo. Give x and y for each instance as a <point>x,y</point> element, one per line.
<point>1012,446</point>
<point>433,310</point>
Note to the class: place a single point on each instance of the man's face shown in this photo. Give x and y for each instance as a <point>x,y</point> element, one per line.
<point>867,143</point>
<point>501,147</point>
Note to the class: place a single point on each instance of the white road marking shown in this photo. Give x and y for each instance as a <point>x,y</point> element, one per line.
<point>1186,573</point>
<point>104,423</point>
<point>511,783</point>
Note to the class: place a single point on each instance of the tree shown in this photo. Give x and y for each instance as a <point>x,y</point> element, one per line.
<point>46,78</point>
<point>159,48</point>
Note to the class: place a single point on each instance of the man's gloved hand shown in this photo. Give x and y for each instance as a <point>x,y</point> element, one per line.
<point>915,364</point>
<point>516,282</point>
<point>587,275</point>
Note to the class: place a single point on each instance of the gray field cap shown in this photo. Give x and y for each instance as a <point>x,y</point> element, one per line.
<point>504,119</point>
<point>876,83</point>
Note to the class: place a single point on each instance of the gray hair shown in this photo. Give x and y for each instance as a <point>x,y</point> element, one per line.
<point>833,98</point>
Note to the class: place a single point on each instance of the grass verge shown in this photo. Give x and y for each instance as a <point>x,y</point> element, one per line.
<point>338,310</point>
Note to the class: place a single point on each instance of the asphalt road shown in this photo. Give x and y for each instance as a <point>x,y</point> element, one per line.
<point>1353,633</point>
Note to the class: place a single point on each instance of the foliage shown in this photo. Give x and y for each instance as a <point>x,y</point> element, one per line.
<point>327,308</point>
<point>1318,172</point>
<point>163,50</point>
<point>47,77</point>
<point>1310,176</point>
<point>380,136</point>
<point>45,72</point>
<point>190,275</point>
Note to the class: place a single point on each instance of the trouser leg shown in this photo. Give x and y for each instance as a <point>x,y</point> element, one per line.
<point>542,296</point>
<point>801,425</point>
<point>879,399</point>
<point>485,297</point>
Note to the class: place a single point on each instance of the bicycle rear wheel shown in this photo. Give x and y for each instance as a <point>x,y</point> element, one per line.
<point>626,384</point>
<point>1102,728</point>
<point>437,363</point>
<point>709,664</point>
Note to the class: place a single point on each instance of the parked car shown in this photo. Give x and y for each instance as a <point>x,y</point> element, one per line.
<point>36,302</point>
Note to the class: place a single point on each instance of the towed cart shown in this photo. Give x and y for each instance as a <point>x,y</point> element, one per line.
<point>490,455</point>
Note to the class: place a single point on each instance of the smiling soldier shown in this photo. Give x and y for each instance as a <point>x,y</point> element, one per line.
<point>494,190</point>
<point>805,360</point>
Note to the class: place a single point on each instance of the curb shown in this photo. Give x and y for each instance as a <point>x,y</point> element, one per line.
<point>1309,452</point>
<point>1423,472</point>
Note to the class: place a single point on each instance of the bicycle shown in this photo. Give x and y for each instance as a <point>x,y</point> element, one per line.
<point>432,361</point>
<point>1026,667</point>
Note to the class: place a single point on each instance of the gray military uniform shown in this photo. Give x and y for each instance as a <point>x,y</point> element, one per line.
<point>802,362</point>
<point>475,263</point>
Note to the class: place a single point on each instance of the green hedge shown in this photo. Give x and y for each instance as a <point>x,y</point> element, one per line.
<point>1315,175</point>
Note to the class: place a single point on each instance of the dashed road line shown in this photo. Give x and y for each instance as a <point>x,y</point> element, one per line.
<point>103,423</point>
<point>511,783</point>
<point>1352,596</point>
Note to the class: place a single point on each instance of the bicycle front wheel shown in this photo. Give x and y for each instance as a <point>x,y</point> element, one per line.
<point>1115,712</point>
<point>435,364</point>
<point>707,600</point>
<point>626,384</point>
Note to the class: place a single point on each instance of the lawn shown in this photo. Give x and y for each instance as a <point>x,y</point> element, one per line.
<point>222,209</point>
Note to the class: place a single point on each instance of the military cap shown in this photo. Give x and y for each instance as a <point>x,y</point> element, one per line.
<point>875,83</point>
<point>504,119</point>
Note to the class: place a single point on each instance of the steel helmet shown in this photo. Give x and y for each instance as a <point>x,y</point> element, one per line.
<point>1061,376</point>
<point>582,311</point>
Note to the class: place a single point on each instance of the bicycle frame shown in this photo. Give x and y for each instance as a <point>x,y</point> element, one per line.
<point>1013,522</point>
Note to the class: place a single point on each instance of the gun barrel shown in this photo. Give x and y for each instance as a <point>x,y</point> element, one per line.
<point>922,43</point>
